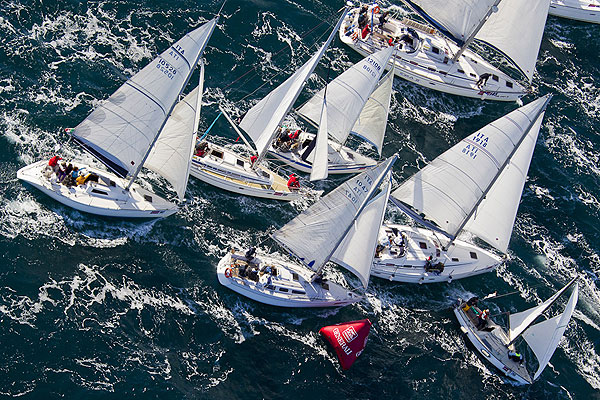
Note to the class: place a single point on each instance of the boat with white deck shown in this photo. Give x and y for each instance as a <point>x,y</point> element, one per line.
<point>439,55</point>
<point>473,187</point>
<point>579,10</point>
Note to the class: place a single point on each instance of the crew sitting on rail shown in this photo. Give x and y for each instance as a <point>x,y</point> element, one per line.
<point>201,149</point>
<point>518,357</point>
<point>293,182</point>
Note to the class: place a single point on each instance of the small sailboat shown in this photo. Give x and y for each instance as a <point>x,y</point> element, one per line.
<point>141,125</point>
<point>358,103</point>
<point>579,10</point>
<point>498,345</point>
<point>474,187</point>
<point>437,55</point>
<point>340,227</point>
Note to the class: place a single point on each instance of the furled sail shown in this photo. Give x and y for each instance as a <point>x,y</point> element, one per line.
<point>356,251</point>
<point>262,120</point>
<point>171,155</point>
<point>519,322</point>
<point>347,94</point>
<point>544,337</point>
<point>122,130</point>
<point>320,161</point>
<point>516,30</point>
<point>372,121</point>
<point>314,235</point>
<point>458,188</point>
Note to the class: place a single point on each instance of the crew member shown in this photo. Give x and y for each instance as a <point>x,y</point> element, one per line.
<point>293,182</point>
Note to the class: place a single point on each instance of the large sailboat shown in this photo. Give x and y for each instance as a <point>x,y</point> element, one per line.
<point>340,227</point>
<point>473,187</point>
<point>579,10</point>
<point>141,125</point>
<point>439,55</point>
<point>498,346</point>
<point>358,103</point>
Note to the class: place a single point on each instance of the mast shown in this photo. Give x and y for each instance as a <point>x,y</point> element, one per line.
<point>500,170</point>
<point>471,37</point>
<point>141,164</point>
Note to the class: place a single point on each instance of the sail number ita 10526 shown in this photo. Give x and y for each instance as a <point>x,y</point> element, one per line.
<point>166,68</point>
<point>359,189</point>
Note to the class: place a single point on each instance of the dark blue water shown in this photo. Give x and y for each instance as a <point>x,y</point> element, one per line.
<point>97,308</point>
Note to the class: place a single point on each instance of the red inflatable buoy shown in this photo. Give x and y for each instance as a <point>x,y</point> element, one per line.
<point>347,339</point>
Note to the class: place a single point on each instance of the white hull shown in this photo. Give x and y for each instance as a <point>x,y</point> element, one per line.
<point>408,264</point>
<point>290,286</point>
<point>491,343</point>
<point>110,199</point>
<point>586,11</point>
<point>345,161</point>
<point>221,168</point>
<point>433,70</point>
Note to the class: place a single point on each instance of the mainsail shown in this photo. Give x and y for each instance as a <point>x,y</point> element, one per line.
<point>477,184</point>
<point>262,120</point>
<point>347,95</point>
<point>315,234</point>
<point>121,131</point>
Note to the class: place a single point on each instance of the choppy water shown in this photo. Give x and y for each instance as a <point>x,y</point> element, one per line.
<point>93,307</point>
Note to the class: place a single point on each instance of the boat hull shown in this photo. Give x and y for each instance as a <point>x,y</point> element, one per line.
<point>585,11</point>
<point>291,287</point>
<point>99,199</point>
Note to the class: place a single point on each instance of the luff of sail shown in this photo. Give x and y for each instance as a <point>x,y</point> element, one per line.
<point>347,95</point>
<point>543,338</point>
<point>314,235</point>
<point>457,185</point>
<point>262,120</point>
<point>121,131</point>
<point>320,162</point>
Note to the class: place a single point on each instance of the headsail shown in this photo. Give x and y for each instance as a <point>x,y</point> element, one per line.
<point>122,130</point>
<point>347,95</point>
<point>314,235</point>
<point>356,251</point>
<point>372,121</point>
<point>320,161</point>
<point>544,337</point>
<point>455,190</point>
<point>262,120</point>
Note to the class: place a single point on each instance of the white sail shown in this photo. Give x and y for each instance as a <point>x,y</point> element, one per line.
<point>516,30</point>
<point>356,251</point>
<point>449,190</point>
<point>456,18</point>
<point>121,131</point>
<point>171,155</point>
<point>314,235</point>
<point>347,95</point>
<point>372,121</point>
<point>519,322</point>
<point>544,337</point>
<point>262,120</point>
<point>320,161</point>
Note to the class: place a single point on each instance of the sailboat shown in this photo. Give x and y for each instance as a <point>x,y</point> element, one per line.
<point>225,169</point>
<point>358,103</point>
<point>473,187</point>
<point>498,345</point>
<point>437,54</point>
<point>579,10</point>
<point>141,125</point>
<point>340,227</point>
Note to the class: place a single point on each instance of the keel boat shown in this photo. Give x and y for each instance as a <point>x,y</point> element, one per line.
<point>579,10</point>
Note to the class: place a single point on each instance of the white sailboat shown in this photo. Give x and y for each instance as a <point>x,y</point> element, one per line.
<point>225,169</point>
<point>580,10</point>
<point>141,124</point>
<point>340,227</point>
<point>438,55</point>
<point>498,345</point>
<point>358,103</point>
<point>474,187</point>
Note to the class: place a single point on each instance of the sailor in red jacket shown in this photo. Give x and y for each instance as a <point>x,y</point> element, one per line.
<point>53,162</point>
<point>293,182</point>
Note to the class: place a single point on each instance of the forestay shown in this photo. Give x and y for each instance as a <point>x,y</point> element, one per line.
<point>171,155</point>
<point>314,235</point>
<point>372,121</point>
<point>516,30</point>
<point>356,251</point>
<point>347,95</point>
<point>544,337</point>
<point>121,131</point>
<point>458,188</point>
<point>262,120</point>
